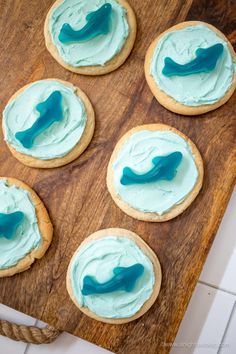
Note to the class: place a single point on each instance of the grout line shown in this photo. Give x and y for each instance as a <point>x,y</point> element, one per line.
<point>28,344</point>
<point>226,329</point>
<point>217,288</point>
<point>26,348</point>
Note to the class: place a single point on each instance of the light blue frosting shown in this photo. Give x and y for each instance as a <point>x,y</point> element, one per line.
<point>97,51</point>
<point>98,258</point>
<point>137,153</point>
<point>61,137</point>
<point>27,237</point>
<point>195,89</point>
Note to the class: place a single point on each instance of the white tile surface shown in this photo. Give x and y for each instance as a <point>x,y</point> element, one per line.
<point>8,345</point>
<point>66,344</point>
<point>229,340</point>
<point>205,321</point>
<point>219,269</point>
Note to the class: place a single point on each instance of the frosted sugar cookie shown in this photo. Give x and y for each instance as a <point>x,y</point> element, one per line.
<point>25,227</point>
<point>155,172</point>
<point>48,123</point>
<point>190,68</point>
<point>114,276</point>
<point>90,37</point>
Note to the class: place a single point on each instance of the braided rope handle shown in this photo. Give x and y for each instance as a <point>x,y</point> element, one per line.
<point>28,334</point>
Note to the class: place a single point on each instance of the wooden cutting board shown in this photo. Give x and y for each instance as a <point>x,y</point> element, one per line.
<point>76,195</point>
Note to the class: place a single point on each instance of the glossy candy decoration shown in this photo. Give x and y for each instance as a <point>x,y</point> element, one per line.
<point>50,112</point>
<point>9,223</point>
<point>98,22</point>
<point>204,62</point>
<point>124,279</point>
<point>164,169</point>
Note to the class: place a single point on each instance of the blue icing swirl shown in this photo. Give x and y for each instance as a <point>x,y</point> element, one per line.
<point>138,152</point>
<point>192,90</point>
<point>98,258</point>
<point>97,23</point>
<point>27,236</point>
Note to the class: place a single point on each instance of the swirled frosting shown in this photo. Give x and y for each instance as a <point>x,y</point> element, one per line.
<point>97,51</point>
<point>98,258</point>
<point>57,140</point>
<point>137,152</point>
<point>27,236</point>
<point>196,89</point>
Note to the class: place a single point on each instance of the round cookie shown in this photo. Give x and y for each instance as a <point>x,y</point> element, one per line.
<point>39,233</point>
<point>106,249</point>
<point>111,49</point>
<point>196,93</point>
<point>60,143</point>
<point>178,185</point>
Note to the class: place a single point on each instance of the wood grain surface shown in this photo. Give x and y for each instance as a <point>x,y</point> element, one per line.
<point>76,195</point>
